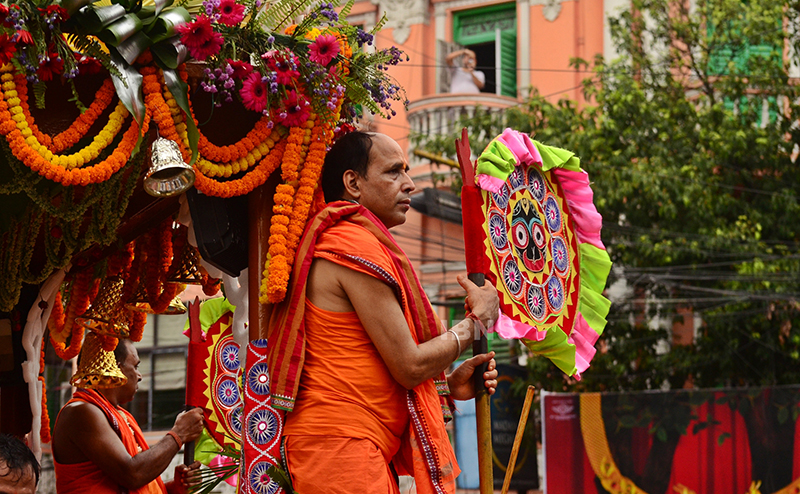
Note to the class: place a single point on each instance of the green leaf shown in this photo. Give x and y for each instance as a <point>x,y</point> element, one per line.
<point>180,91</point>
<point>129,87</point>
<point>722,437</point>
<point>661,434</point>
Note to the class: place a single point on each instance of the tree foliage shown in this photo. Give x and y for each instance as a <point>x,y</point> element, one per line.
<point>690,139</point>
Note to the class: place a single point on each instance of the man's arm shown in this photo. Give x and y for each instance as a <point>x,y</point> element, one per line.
<point>90,432</point>
<point>380,313</point>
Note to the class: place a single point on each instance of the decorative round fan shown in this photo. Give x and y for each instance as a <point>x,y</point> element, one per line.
<point>221,384</point>
<point>541,237</point>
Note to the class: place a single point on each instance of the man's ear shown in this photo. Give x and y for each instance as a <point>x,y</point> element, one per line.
<point>351,180</point>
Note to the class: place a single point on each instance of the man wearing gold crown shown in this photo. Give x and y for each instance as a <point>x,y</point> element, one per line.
<point>97,445</point>
<point>357,353</point>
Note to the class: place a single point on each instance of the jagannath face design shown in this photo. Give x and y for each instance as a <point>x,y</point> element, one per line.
<point>527,233</point>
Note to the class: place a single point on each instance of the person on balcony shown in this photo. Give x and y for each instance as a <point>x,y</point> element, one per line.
<point>464,78</point>
<point>359,354</point>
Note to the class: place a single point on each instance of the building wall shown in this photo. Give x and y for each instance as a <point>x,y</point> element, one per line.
<point>549,34</point>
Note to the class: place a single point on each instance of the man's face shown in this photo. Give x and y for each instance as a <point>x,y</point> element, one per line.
<point>129,367</point>
<point>386,188</point>
<point>14,483</point>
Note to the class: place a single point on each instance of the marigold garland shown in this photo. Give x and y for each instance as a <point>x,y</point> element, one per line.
<point>83,289</point>
<point>139,320</point>
<point>65,169</point>
<point>292,207</point>
<point>44,432</point>
<point>78,128</point>
<point>159,259</point>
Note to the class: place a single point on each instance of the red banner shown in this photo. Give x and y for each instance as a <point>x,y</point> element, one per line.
<point>686,441</point>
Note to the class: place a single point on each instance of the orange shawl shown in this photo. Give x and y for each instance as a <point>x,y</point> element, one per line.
<point>352,236</point>
<point>86,477</point>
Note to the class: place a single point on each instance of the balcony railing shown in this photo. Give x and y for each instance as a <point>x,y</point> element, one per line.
<point>440,113</point>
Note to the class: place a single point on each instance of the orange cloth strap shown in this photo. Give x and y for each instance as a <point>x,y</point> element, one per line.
<point>351,235</point>
<point>86,477</point>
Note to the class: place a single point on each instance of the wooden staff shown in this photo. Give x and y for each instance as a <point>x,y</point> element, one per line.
<point>523,419</point>
<point>472,218</point>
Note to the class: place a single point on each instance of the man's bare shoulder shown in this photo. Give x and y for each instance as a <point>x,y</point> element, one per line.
<point>81,412</point>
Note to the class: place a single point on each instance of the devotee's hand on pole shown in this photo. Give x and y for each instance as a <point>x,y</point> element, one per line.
<point>189,424</point>
<point>185,478</point>
<point>481,302</point>
<point>461,382</point>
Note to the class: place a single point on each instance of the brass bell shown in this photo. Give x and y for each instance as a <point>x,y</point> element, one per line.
<point>139,302</point>
<point>168,174</point>
<point>188,270</point>
<point>175,308</point>
<point>102,316</point>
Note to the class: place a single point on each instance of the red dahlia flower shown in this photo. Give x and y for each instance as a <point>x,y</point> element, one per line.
<point>240,69</point>
<point>7,49</point>
<point>52,66</point>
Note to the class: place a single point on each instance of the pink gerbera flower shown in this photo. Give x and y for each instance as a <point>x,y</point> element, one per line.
<point>323,49</point>
<point>296,110</point>
<point>240,69</point>
<point>230,12</point>
<point>7,49</point>
<point>254,93</point>
<point>196,33</point>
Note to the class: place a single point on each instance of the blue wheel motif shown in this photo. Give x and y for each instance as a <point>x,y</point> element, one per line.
<point>263,426</point>
<point>517,178</point>
<point>235,420</point>
<point>512,277</point>
<point>228,392</point>
<point>555,293</point>
<point>560,254</point>
<point>258,379</point>
<point>535,301</point>
<point>259,343</point>
<point>536,184</point>
<point>498,232</point>
<point>230,356</point>
<point>260,481</point>
<point>500,198</point>
<point>552,214</point>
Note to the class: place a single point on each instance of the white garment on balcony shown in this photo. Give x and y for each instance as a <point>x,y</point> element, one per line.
<point>462,82</point>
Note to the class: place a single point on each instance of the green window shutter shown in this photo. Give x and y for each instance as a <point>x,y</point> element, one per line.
<point>508,63</point>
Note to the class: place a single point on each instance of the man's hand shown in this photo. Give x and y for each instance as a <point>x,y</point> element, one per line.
<point>189,424</point>
<point>185,478</point>
<point>460,381</point>
<point>481,301</point>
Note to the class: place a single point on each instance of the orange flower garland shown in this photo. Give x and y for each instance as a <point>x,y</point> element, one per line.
<point>83,289</point>
<point>21,139</point>
<point>291,209</point>
<point>137,325</point>
<point>44,433</point>
<point>78,128</point>
<point>159,259</point>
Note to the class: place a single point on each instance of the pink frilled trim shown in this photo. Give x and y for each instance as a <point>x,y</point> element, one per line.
<point>580,199</point>
<point>510,329</point>
<point>522,146</point>
<point>584,338</point>
<point>490,183</point>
